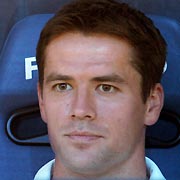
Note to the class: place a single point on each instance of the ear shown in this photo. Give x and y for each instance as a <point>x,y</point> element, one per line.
<point>154,104</point>
<point>41,103</point>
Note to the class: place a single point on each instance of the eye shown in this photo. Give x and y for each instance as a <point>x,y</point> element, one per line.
<point>107,88</point>
<point>61,87</point>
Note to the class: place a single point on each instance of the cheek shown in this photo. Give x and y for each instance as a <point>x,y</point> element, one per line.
<point>57,113</point>
<point>125,120</point>
<point>120,111</point>
<point>55,107</point>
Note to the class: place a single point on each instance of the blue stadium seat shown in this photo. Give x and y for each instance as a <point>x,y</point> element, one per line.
<point>168,159</point>
<point>21,154</point>
<point>17,91</point>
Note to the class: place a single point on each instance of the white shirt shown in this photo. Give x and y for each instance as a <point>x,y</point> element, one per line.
<point>45,172</point>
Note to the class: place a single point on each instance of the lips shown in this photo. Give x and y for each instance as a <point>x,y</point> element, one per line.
<point>83,136</point>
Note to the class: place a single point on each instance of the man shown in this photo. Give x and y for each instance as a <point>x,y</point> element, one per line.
<point>100,63</point>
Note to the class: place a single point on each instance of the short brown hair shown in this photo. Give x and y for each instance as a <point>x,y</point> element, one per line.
<point>115,19</point>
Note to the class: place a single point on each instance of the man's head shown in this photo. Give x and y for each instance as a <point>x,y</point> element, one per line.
<point>99,65</point>
<point>118,20</point>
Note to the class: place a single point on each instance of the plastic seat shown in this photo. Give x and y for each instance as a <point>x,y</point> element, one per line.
<point>168,158</point>
<point>18,90</point>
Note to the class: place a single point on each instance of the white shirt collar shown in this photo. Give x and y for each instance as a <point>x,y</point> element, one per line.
<point>153,170</point>
<point>45,172</point>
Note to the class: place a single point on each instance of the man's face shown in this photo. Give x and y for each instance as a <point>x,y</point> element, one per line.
<point>91,102</point>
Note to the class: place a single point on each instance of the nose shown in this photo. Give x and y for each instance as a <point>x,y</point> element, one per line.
<point>83,106</point>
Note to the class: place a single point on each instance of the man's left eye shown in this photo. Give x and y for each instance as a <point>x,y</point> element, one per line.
<point>106,88</point>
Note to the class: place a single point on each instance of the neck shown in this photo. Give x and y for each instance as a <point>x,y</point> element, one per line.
<point>134,168</point>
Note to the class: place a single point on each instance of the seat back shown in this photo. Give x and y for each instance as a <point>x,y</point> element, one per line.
<point>18,79</point>
<point>168,159</point>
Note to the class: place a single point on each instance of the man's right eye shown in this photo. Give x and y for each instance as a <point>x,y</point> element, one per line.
<point>61,87</point>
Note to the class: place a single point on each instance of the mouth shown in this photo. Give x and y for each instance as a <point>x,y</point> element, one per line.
<point>83,137</point>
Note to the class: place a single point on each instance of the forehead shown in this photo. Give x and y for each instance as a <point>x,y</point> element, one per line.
<point>79,43</point>
<point>84,57</point>
<point>77,50</point>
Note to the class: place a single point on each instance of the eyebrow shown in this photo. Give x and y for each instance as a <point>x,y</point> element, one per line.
<point>110,78</point>
<point>58,77</point>
<point>106,78</point>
